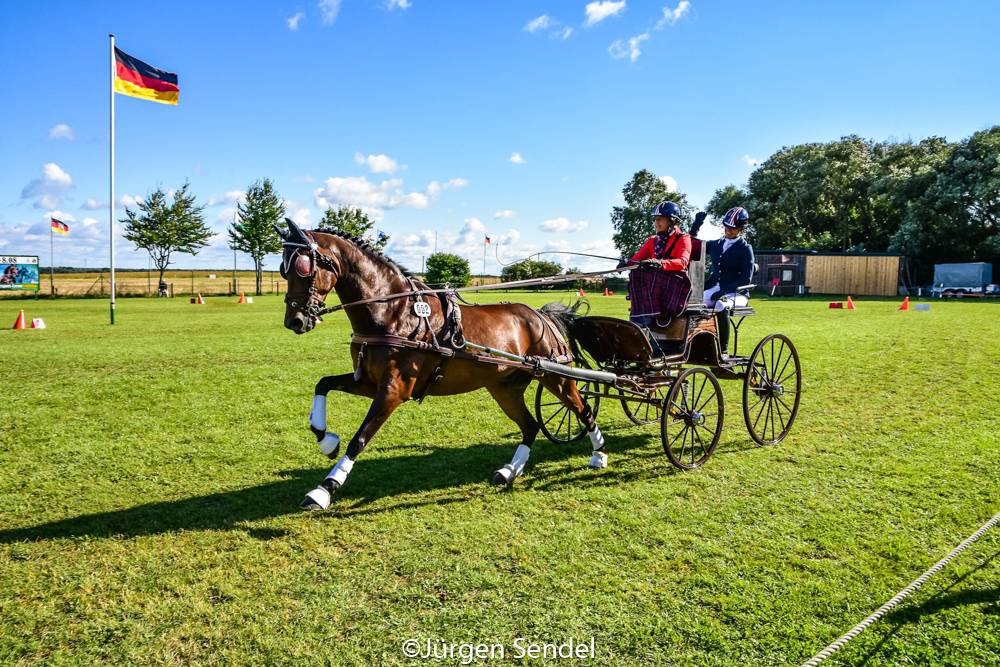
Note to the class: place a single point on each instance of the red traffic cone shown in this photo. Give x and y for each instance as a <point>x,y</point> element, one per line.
<point>201,301</point>
<point>607,292</point>
<point>243,298</point>
<point>580,294</point>
<point>19,323</point>
<point>850,303</point>
<point>906,303</point>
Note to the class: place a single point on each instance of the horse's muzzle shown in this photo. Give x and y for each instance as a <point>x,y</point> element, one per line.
<point>299,322</point>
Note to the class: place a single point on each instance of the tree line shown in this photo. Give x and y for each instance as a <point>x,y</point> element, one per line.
<point>165,226</point>
<point>931,200</point>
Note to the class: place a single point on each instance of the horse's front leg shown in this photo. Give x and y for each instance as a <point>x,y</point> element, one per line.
<point>349,383</point>
<point>386,400</point>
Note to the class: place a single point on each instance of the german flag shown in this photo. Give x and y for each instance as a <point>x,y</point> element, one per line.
<point>137,79</point>
<point>60,227</point>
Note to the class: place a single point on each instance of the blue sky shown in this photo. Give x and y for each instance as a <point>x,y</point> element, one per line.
<point>416,110</point>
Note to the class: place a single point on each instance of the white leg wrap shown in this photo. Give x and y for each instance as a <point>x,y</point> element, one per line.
<point>317,417</point>
<point>599,459</point>
<point>320,496</point>
<point>596,439</point>
<point>516,466</point>
<point>341,470</point>
<point>328,445</point>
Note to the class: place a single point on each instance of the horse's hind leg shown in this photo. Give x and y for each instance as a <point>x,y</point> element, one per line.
<point>510,396</point>
<point>329,442</point>
<point>565,389</point>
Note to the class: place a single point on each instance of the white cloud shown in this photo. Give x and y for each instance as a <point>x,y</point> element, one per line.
<point>49,188</point>
<point>618,49</point>
<point>671,16</point>
<point>92,204</point>
<point>293,21</point>
<point>505,214</point>
<point>398,4</point>
<point>307,179</point>
<point>378,164</point>
<point>516,158</point>
<point>231,198</point>
<point>598,11</point>
<point>129,200</point>
<point>62,131</point>
<point>563,225</point>
<point>670,182</point>
<point>373,198</point>
<point>302,215</point>
<point>750,161</point>
<point>226,215</point>
<point>541,23</point>
<point>565,33</point>
<point>329,10</point>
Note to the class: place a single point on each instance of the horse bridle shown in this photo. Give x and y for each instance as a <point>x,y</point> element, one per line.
<point>314,306</point>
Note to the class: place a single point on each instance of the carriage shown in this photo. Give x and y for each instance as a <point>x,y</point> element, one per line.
<point>669,376</point>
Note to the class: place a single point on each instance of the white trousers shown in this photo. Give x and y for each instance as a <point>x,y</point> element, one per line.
<point>716,300</point>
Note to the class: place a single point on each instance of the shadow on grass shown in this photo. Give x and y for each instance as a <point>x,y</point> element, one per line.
<point>436,476</point>
<point>940,601</point>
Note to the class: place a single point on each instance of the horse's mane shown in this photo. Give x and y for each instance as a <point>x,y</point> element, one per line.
<point>366,249</point>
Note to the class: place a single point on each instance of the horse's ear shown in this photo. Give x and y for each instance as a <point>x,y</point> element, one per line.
<point>281,232</point>
<point>295,233</point>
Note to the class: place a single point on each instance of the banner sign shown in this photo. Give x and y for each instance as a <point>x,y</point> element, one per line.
<point>19,272</point>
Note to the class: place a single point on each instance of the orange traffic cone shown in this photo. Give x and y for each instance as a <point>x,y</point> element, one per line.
<point>19,323</point>
<point>581,294</point>
<point>243,298</point>
<point>201,301</point>
<point>906,303</point>
<point>607,292</point>
<point>850,303</point>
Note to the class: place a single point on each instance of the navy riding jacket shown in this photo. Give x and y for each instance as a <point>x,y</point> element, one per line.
<point>731,269</point>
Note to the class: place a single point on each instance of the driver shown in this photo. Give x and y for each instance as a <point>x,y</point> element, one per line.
<point>670,248</point>
<point>730,270</point>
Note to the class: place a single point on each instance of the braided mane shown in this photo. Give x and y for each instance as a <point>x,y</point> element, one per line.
<point>366,249</point>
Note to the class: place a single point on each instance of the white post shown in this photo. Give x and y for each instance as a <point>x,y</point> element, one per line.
<point>111,202</point>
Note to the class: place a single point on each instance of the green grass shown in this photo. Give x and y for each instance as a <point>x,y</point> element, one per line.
<point>152,472</point>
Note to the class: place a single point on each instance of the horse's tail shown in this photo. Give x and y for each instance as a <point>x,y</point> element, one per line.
<point>563,317</point>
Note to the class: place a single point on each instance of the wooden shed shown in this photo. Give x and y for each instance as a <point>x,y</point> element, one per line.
<point>789,272</point>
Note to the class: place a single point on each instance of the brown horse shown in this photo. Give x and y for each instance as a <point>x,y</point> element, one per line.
<point>315,263</point>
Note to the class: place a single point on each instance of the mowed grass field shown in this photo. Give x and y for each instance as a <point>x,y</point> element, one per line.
<point>151,474</point>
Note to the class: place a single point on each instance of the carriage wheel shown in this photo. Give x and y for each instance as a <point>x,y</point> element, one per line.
<point>771,390</point>
<point>643,414</point>
<point>691,420</point>
<point>559,424</point>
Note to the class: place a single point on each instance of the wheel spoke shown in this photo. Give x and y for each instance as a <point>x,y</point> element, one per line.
<point>562,421</point>
<point>700,391</point>
<point>754,428</point>
<point>782,371</point>
<point>708,399</point>
<point>553,415</point>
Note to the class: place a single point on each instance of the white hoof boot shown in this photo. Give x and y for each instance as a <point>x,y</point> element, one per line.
<point>598,461</point>
<point>329,444</point>
<point>504,476</point>
<point>317,499</point>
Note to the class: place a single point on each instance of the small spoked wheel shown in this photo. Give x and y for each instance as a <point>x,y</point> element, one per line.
<point>691,418</point>
<point>559,424</point>
<point>643,414</point>
<point>771,390</point>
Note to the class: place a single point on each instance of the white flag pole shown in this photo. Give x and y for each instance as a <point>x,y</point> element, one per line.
<point>111,202</point>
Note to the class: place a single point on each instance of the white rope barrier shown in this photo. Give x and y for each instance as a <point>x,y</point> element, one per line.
<point>888,606</point>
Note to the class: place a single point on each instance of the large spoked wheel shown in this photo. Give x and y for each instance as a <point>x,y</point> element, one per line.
<point>643,414</point>
<point>691,419</point>
<point>559,424</point>
<point>771,390</point>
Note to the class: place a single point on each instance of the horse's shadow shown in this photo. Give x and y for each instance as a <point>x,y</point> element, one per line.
<point>427,476</point>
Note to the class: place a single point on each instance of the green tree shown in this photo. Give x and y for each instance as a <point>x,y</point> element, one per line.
<point>353,222</point>
<point>253,231</point>
<point>529,268</point>
<point>633,222</point>
<point>725,199</point>
<point>443,267</point>
<point>163,229</point>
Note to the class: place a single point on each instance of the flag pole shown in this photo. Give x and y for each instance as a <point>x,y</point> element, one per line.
<point>111,202</point>
<point>52,254</point>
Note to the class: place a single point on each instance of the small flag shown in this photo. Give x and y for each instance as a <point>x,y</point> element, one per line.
<point>60,227</point>
<point>487,240</point>
<point>137,79</point>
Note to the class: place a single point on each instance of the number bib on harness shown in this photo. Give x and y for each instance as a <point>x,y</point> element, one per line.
<point>422,309</point>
